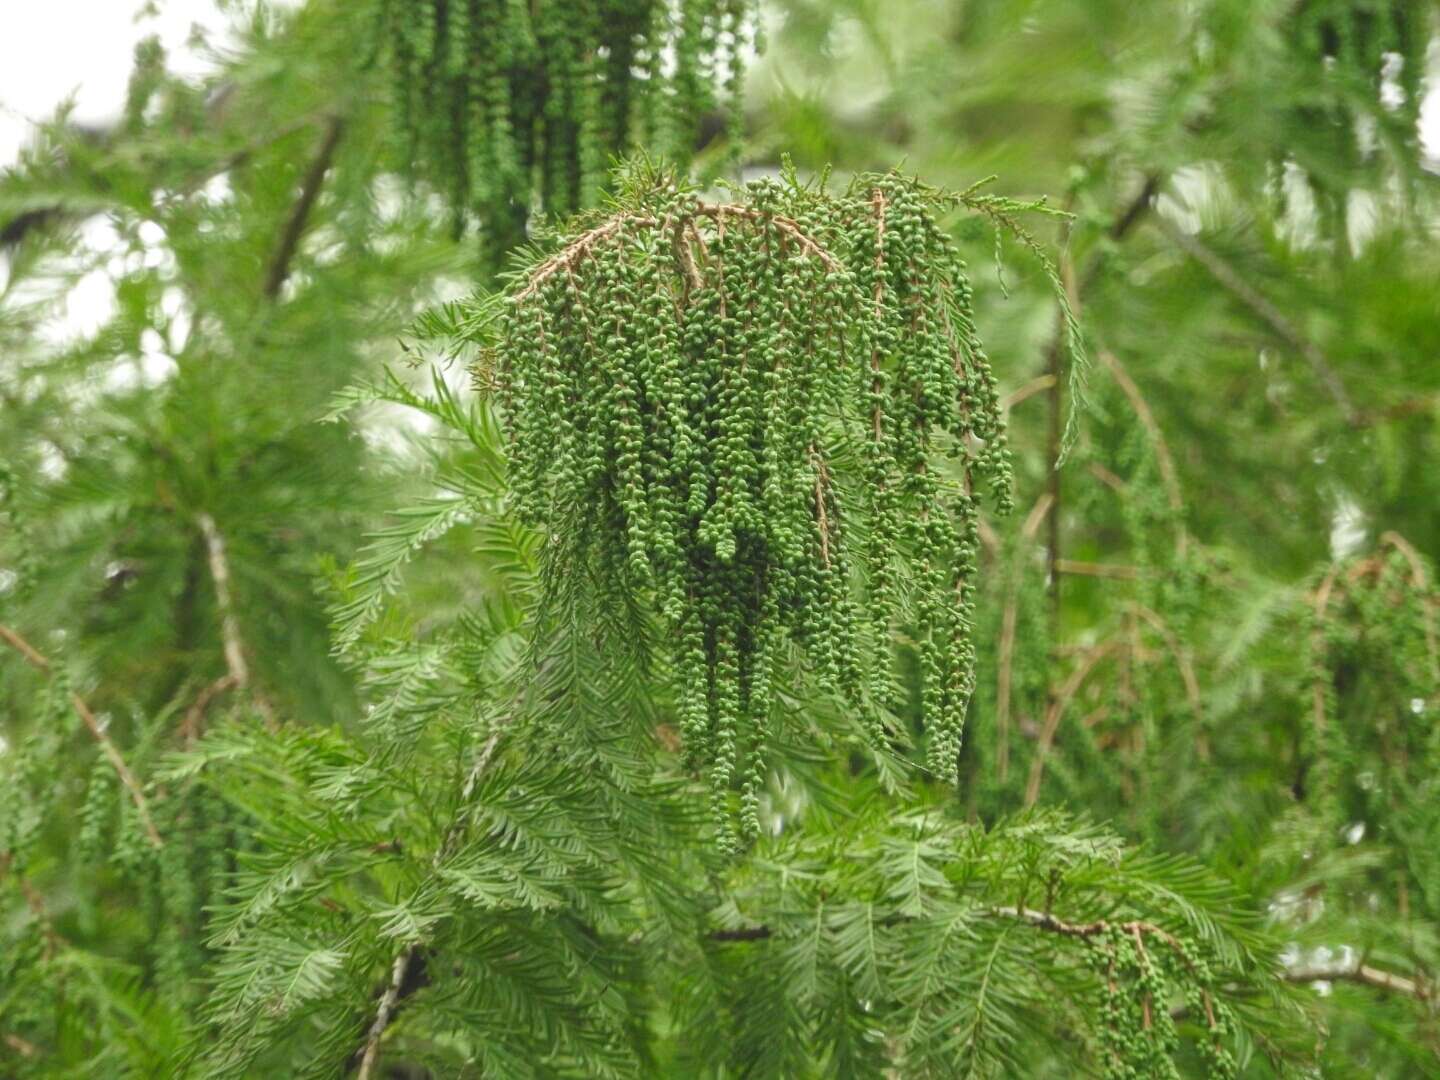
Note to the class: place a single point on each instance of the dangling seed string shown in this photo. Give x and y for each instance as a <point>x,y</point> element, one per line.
<point>679,377</point>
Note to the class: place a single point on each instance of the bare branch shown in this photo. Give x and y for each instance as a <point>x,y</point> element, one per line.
<point>1094,569</point>
<point>1364,975</point>
<point>238,671</point>
<point>399,971</point>
<point>229,626</point>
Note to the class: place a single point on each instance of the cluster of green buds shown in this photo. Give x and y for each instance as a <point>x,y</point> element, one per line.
<point>504,105</point>
<point>1148,977</point>
<point>779,409</point>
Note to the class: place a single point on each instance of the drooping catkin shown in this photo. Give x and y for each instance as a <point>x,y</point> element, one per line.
<point>508,106</point>
<point>778,408</point>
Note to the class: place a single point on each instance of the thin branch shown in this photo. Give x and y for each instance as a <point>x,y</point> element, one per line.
<point>402,970</point>
<point>15,229</point>
<point>24,648</point>
<point>1075,286</point>
<point>789,226</point>
<point>1364,975</point>
<point>1030,389</point>
<point>1106,477</point>
<point>237,670</point>
<point>399,971</point>
<point>1095,569</point>
<point>570,255</point>
<point>1138,207</point>
<point>1168,472</point>
<point>229,626</point>
<point>822,520</point>
<point>744,933</point>
<point>239,157</point>
<point>195,715</point>
<point>112,753</point>
<point>1055,437</point>
<point>36,903</point>
<point>1228,278</point>
<point>1182,659</point>
<point>578,249</point>
<point>300,212</point>
<point>1399,411</point>
<point>1056,710</point>
<point>1041,920</point>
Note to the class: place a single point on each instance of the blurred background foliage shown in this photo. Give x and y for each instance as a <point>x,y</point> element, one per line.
<point>1213,628</point>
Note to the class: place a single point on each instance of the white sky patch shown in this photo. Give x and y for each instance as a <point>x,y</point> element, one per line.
<point>1347,528</point>
<point>56,48</point>
<point>1430,106</point>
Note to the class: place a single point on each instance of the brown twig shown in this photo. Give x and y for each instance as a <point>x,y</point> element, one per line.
<point>220,575</point>
<point>194,721</point>
<point>877,200</point>
<point>1035,386</point>
<point>578,249</point>
<point>399,971</point>
<point>111,752</point>
<point>744,933</point>
<point>1182,659</point>
<point>23,1047</point>
<point>788,226</point>
<point>1056,711</point>
<point>237,670</point>
<point>1075,286</point>
<point>1399,411</point>
<point>1166,462</point>
<point>684,255</point>
<point>1364,975</point>
<point>1140,205</point>
<point>1144,959</point>
<point>299,214</point>
<point>1106,477</point>
<point>1046,921</point>
<point>1094,569</point>
<point>239,157</point>
<point>1040,920</point>
<point>1054,448</point>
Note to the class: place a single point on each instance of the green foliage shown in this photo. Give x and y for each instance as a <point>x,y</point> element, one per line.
<point>372,709</point>
<point>506,105</point>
